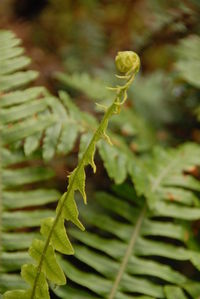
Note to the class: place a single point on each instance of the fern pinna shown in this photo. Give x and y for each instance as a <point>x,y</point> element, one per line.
<point>52,229</point>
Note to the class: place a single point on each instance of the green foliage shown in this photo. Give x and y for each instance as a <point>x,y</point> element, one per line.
<point>125,232</point>
<point>54,236</point>
<point>168,179</point>
<point>30,115</point>
<point>142,246</point>
<point>151,87</point>
<point>34,116</point>
<point>11,62</point>
<point>188,64</point>
<point>93,88</point>
<point>129,250</point>
<point>24,194</point>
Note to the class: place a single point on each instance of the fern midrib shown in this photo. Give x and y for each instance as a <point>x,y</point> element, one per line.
<point>81,164</point>
<point>128,253</point>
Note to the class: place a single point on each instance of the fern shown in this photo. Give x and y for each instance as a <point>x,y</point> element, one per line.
<point>137,135</point>
<point>91,87</point>
<point>188,65</point>
<point>167,182</point>
<point>116,157</point>
<point>131,250</point>
<point>143,258</point>
<point>33,116</point>
<point>22,208</point>
<point>30,115</point>
<point>52,229</point>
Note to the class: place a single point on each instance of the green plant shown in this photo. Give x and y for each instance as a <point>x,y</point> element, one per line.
<point>30,118</point>
<point>136,244</point>
<point>52,229</point>
<point>140,237</point>
<point>25,193</point>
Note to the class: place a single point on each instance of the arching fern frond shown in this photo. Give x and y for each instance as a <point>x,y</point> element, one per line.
<point>131,252</point>
<point>54,238</point>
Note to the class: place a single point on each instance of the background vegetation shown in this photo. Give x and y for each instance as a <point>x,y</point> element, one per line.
<point>147,184</point>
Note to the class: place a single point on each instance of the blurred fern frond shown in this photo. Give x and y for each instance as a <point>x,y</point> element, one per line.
<point>188,62</point>
<point>135,250</point>
<point>170,183</point>
<point>93,88</point>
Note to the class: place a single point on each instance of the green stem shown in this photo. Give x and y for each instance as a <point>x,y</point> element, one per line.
<point>121,95</point>
<point>110,111</point>
<point>128,253</point>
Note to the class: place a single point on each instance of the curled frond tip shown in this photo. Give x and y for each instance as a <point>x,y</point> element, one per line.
<point>127,62</point>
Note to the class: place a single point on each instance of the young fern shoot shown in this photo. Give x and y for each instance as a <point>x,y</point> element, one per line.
<point>53,230</point>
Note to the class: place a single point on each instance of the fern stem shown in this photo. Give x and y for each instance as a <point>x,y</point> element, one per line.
<point>127,254</point>
<point>121,96</point>
<point>110,111</point>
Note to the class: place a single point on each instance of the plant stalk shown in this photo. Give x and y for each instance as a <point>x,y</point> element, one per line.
<point>128,253</point>
<point>110,111</point>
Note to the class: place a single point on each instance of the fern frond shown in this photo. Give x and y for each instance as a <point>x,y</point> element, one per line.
<point>91,87</point>
<point>34,117</point>
<point>24,115</point>
<point>129,251</point>
<point>22,209</point>
<point>29,115</point>
<point>188,64</point>
<point>130,124</point>
<point>167,183</point>
<point>116,156</point>
<point>53,231</point>
<point>11,62</point>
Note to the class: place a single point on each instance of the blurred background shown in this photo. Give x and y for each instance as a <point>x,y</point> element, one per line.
<point>80,38</point>
<point>84,35</point>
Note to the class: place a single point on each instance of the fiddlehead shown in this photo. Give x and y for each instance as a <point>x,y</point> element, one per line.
<point>52,229</point>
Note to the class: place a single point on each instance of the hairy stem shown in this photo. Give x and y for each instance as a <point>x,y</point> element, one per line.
<point>128,253</point>
<point>110,111</point>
